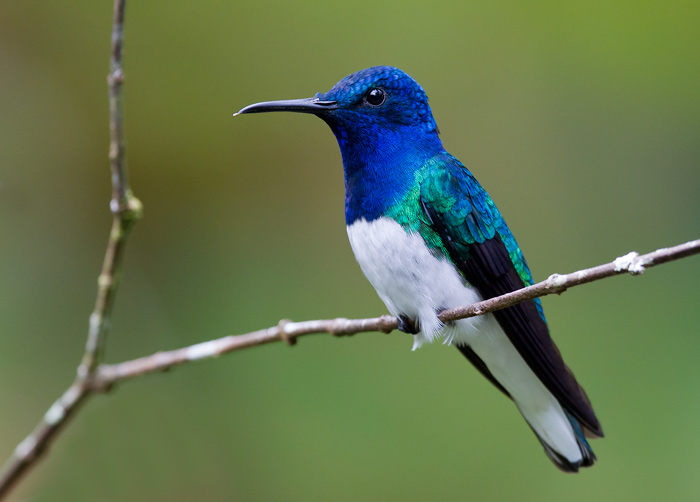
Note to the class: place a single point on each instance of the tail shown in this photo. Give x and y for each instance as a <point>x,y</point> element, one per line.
<point>560,427</point>
<point>563,459</point>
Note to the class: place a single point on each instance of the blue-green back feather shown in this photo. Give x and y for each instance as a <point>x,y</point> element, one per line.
<point>466,210</point>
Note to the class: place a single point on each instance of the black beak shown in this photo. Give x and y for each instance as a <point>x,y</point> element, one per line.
<point>306,105</point>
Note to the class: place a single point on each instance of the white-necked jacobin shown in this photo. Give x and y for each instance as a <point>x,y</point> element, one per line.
<point>428,237</point>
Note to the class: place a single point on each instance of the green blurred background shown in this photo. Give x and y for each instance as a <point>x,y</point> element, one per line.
<point>582,119</point>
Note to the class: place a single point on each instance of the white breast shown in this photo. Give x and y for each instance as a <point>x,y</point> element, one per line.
<point>410,279</point>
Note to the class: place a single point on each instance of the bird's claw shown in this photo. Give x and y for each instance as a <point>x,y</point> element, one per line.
<point>407,325</point>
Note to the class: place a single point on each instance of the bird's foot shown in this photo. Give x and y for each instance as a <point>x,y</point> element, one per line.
<point>407,325</point>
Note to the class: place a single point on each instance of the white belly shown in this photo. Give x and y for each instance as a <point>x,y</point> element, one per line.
<point>410,280</point>
<point>414,282</point>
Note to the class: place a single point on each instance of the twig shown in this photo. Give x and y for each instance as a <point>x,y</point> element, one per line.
<point>126,210</point>
<point>632,263</point>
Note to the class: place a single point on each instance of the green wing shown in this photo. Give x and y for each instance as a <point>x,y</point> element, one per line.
<point>474,235</point>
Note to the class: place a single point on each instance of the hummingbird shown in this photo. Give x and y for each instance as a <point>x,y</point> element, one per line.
<point>428,237</point>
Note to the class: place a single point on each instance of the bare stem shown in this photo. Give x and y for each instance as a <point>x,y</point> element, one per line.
<point>126,210</point>
<point>125,207</point>
<point>115,79</point>
<point>632,263</point>
<point>29,451</point>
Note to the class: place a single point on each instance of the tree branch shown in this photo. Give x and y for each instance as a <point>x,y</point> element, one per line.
<point>126,210</point>
<point>632,263</point>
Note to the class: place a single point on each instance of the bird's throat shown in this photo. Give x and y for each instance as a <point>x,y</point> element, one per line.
<point>380,169</point>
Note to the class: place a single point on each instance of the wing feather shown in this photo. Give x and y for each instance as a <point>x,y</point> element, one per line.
<point>480,244</point>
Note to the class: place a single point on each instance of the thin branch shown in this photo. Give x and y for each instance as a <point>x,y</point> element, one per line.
<point>632,263</point>
<point>126,210</point>
<point>115,78</point>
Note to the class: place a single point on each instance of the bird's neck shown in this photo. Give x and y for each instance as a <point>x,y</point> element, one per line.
<point>380,168</point>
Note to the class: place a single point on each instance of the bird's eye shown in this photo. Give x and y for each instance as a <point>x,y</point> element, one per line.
<point>376,97</point>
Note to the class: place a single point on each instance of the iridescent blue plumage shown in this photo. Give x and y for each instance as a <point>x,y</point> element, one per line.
<point>375,140</point>
<point>429,237</point>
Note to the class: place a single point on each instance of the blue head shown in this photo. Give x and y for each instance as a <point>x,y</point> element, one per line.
<point>385,129</point>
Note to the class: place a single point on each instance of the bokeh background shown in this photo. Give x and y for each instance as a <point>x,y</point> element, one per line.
<point>582,119</point>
